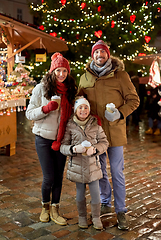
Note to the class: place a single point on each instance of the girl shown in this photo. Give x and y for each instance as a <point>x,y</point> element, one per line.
<point>84,166</point>
<point>49,126</point>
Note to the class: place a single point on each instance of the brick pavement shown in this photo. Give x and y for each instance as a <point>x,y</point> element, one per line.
<point>20,193</point>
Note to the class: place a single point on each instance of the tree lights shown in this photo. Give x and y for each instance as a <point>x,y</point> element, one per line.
<point>127,29</point>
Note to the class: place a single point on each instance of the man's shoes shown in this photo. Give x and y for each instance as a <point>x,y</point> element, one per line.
<point>105,209</point>
<point>122,222</point>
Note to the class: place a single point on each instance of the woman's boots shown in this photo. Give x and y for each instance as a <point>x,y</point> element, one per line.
<point>54,215</point>
<point>51,211</point>
<point>82,211</point>
<point>95,209</point>
<point>45,213</point>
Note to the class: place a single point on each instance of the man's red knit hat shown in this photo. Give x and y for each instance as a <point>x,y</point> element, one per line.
<point>59,61</point>
<point>100,44</point>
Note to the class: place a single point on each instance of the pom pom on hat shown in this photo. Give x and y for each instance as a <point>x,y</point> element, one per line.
<point>59,61</point>
<point>79,102</point>
<point>100,45</point>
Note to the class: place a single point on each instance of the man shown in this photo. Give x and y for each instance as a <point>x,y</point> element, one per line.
<point>105,81</point>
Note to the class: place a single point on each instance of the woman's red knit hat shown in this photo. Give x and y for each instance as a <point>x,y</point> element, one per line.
<point>59,61</point>
<point>100,45</point>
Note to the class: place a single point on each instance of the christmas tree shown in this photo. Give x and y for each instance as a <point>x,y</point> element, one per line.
<point>128,28</point>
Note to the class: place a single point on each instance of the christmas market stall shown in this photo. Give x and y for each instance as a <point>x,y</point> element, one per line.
<point>16,36</point>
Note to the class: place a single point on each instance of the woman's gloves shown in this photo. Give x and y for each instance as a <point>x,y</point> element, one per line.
<point>51,106</point>
<point>112,116</point>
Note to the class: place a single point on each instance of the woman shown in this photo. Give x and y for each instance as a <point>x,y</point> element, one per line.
<point>50,121</point>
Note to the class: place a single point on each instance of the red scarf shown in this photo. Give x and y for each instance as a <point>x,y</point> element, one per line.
<point>66,111</point>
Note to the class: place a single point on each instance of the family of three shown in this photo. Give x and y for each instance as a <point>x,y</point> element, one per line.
<point>76,124</point>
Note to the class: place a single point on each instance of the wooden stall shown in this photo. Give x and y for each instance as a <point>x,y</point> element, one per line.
<point>8,124</point>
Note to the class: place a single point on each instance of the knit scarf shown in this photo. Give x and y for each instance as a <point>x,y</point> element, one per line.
<point>65,113</point>
<point>101,71</point>
<point>79,122</point>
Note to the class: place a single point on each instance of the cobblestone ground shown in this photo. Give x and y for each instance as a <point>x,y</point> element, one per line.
<point>20,193</point>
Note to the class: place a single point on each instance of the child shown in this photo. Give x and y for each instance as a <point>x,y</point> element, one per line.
<point>84,166</point>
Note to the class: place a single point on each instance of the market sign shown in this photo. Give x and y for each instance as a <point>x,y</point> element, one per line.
<point>40,55</point>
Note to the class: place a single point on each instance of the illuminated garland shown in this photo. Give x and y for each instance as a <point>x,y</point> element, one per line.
<point>139,31</point>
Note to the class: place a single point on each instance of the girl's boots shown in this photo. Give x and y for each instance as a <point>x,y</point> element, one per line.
<point>82,211</point>
<point>45,213</point>
<point>95,209</point>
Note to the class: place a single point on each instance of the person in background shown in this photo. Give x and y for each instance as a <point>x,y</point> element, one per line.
<point>50,119</point>
<point>153,108</point>
<point>105,81</point>
<point>84,166</point>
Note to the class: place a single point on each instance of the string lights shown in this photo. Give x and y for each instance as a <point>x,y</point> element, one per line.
<point>133,26</point>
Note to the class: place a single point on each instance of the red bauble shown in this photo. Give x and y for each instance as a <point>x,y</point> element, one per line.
<point>41,27</point>
<point>132,18</point>
<point>62,38</point>
<point>98,33</point>
<point>112,24</point>
<point>83,5</point>
<point>99,9</point>
<point>142,54</point>
<point>77,36</point>
<point>63,2</point>
<point>54,34</point>
<point>147,39</point>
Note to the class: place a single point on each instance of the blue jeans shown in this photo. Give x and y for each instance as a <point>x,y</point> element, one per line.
<point>116,159</point>
<point>52,164</point>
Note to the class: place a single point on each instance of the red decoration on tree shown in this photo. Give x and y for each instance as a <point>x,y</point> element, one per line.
<point>41,27</point>
<point>54,34</point>
<point>99,9</point>
<point>83,5</point>
<point>132,18</point>
<point>112,24</point>
<point>142,54</point>
<point>55,19</point>
<point>63,2</point>
<point>159,9</point>
<point>147,39</point>
<point>42,1</point>
<point>130,32</point>
<point>71,19</point>
<point>146,3</point>
<point>77,36</point>
<point>98,33</point>
<point>62,38</point>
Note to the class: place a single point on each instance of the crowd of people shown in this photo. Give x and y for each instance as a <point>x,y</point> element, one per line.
<point>73,122</point>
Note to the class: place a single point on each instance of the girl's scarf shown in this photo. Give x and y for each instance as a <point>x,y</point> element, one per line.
<point>65,113</point>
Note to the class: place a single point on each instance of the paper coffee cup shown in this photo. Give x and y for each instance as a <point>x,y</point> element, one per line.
<point>87,145</point>
<point>108,107</point>
<point>57,99</point>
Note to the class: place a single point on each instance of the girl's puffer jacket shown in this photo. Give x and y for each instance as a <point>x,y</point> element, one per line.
<point>84,169</point>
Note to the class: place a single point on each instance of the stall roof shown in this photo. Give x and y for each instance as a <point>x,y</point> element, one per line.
<point>24,35</point>
<point>147,60</point>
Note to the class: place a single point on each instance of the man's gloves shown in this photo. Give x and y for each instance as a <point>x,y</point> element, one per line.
<point>91,151</point>
<point>112,116</point>
<point>159,103</point>
<point>79,149</point>
<point>51,106</point>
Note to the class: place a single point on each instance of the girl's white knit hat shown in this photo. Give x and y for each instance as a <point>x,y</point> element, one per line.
<point>80,101</point>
